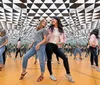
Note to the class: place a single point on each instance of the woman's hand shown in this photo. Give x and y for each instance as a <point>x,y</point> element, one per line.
<point>37,47</point>
<point>29,46</point>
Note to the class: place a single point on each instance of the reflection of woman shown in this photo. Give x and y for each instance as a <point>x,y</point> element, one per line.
<point>37,47</point>
<point>76,51</point>
<point>18,50</point>
<point>93,43</point>
<point>3,42</point>
<point>55,37</point>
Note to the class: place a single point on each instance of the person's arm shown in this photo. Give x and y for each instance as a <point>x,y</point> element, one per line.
<point>31,45</point>
<point>62,40</point>
<point>43,41</point>
<point>6,41</point>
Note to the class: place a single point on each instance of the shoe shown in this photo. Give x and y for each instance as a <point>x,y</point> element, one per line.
<point>53,78</point>
<point>93,66</point>
<point>35,62</point>
<point>98,69</point>
<point>74,58</point>
<point>69,78</point>
<point>80,58</point>
<point>0,68</point>
<point>22,76</point>
<point>40,78</point>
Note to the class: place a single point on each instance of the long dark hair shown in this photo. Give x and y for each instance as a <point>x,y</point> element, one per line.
<point>60,26</point>
<point>95,32</point>
<point>19,39</point>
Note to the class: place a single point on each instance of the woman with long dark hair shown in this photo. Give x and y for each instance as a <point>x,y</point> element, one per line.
<point>93,43</point>
<point>37,47</point>
<point>55,38</point>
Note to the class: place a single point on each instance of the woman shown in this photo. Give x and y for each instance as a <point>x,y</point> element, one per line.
<point>18,50</point>
<point>93,43</point>
<point>76,51</point>
<point>38,47</point>
<point>55,38</point>
<point>3,42</point>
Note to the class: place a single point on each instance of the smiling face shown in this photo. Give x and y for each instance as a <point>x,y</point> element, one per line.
<point>43,23</point>
<point>54,21</point>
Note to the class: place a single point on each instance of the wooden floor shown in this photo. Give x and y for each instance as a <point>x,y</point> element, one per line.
<point>81,72</point>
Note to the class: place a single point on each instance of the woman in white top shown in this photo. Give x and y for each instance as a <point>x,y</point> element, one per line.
<point>18,49</point>
<point>93,43</point>
<point>55,38</point>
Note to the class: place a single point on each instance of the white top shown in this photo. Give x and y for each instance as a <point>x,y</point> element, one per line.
<point>93,41</point>
<point>55,37</point>
<point>18,44</point>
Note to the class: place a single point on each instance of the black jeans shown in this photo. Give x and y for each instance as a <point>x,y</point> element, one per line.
<point>94,55</point>
<point>53,48</point>
<point>18,50</point>
<point>4,55</point>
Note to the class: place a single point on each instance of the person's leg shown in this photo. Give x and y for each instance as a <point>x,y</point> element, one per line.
<point>4,57</point>
<point>86,53</point>
<point>96,59</point>
<point>64,58</point>
<point>92,56</point>
<point>17,50</point>
<point>36,57</point>
<point>45,56</point>
<point>75,52</point>
<point>65,63</point>
<point>80,54</point>
<point>49,52</point>
<point>28,54</point>
<point>96,56</point>
<point>2,49</point>
<point>20,53</point>
<point>41,56</point>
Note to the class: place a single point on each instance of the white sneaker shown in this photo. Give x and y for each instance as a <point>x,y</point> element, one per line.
<point>69,78</point>
<point>98,69</point>
<point>93,66</point>
<point>53,77</point>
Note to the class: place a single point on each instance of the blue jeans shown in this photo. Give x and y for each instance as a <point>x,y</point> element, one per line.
<point>2,49</point>
<point>45,56</point>
<point>40,54</point>
<point>77,50</point>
